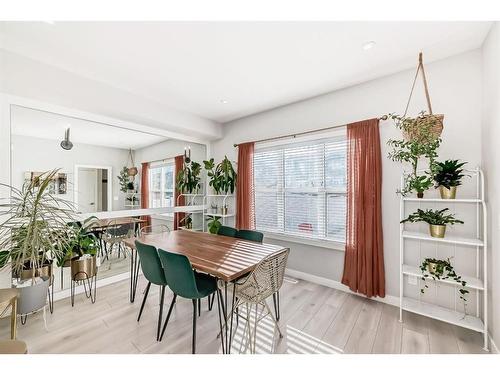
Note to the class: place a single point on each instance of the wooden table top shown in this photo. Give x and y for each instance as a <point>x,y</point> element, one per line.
<point>103,223</point>
<point>226,258</point>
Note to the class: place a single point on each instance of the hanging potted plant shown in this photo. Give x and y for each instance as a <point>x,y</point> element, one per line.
<point>421,139</point>
<point>439,269</point>
<point>34,232</point>
<point>437,220</point>
<point>188,178</point>
<point>448,176</point>
<point>222,176</point>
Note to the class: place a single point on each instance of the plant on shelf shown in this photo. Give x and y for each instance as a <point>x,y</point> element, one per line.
<point>448,176</point>
<point>439,269</point>
<point>222,176</point>
<point>133,200</point>
<point>188,178</point>
<point>188,221</point>
<point>33,232</point>
<point>420,141</point>
<point>416,183</point>
<point>437,220</point>
<point>124,180</point>
<point>214,224</point>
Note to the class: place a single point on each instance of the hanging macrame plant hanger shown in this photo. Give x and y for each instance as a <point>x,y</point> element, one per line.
<point>425,123</point>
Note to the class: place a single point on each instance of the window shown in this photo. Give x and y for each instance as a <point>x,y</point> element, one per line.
<point>161,185</point>
<point>300,188</point>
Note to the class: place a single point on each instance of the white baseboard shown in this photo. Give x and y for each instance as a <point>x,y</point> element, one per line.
<point>65,293</point>
<point>390,300</point>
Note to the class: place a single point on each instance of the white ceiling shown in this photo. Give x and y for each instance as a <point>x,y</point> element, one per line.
<point>254,66</point>
<point>47,125</point>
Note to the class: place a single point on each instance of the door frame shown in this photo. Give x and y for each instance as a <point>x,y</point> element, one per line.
<point>110,183</point>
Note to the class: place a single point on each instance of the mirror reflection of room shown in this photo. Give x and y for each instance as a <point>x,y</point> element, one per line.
<point>99,169</point>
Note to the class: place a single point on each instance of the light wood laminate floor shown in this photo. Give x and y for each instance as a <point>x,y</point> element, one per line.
<point>314,319</point>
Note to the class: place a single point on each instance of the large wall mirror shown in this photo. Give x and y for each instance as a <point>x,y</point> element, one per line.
<point>90,157</point>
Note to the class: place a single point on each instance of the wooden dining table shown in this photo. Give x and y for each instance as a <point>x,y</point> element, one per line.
<point>226,258</point>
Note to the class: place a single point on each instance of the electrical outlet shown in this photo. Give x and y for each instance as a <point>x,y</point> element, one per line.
<point>412,280</point>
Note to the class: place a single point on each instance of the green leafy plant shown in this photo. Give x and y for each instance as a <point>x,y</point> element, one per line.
<point>439,269</point>
<point>416,183</point>
<point>188,221</point>
<point>34,226</point>
<point>449,173</point>
<point>423,143</point>
<point>432,217</point>
<point>81,241</point>
<point>214,224</point>
<point>222,176</point>
<point>188,178</point>
<point>124,180</point>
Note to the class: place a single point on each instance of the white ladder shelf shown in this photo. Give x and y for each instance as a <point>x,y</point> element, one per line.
<point>477,282</point>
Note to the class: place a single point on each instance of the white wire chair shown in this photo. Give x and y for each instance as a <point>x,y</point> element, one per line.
<point>265,280</point>
<point>154,229</point>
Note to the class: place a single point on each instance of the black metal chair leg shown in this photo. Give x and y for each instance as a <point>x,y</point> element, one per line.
<point>195,305</point>
<point>160,315</point>
<point>144,300</point>
<point>168,316</point>
<point>199,307</point>
<point>219,308</point>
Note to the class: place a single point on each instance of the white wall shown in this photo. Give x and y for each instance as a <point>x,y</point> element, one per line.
<point>491,155</point>
<point>39,155</point>
<point>455,86</point>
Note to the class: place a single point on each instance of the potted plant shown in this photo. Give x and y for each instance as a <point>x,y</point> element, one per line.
<point>222,176</point>
<point>437,220</point>
<point>418,183</point>
<point>188,178</point>
<point>448,176</point>
<point>439,269</point>
<point>34,232</point>
<point>124,180</point>
<point>214,224</point>
<point>419,141</point>
<point>188,221</point>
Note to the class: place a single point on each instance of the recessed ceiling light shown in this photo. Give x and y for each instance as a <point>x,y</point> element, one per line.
<point>223,101</point>
<point>369,45</point>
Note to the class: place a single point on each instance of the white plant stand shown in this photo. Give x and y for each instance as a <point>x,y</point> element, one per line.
<point>223,200</point>
<point>191,201</point>
<point>478,282</point>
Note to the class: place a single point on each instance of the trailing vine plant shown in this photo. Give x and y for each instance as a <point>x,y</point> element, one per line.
<point>439,269</point>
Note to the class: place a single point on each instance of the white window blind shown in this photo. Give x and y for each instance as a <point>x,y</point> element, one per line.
<point>300,189</point>
<point>161,185</point>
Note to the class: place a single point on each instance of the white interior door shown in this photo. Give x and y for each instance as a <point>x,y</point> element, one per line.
<point>87,190</point>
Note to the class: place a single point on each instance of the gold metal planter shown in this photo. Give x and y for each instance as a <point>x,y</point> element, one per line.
<point>437,231</point>
<point>83,268</point>
<point>446,193</point>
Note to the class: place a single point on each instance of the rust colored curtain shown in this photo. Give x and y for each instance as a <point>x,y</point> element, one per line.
<point>245,196</point>
<point>178,216</point>
<point>364,254</point>
<point>145,191</point>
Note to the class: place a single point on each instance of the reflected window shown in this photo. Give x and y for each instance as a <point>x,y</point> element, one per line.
<point>161,185</point>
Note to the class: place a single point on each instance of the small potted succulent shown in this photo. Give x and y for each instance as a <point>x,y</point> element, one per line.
<point>437,220</point>
<point>448,176</point>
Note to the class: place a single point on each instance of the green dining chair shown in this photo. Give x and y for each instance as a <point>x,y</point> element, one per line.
<point>250,235</point>
<point>187,283</point>
<point>227,231</point>
<point>153,272</point>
